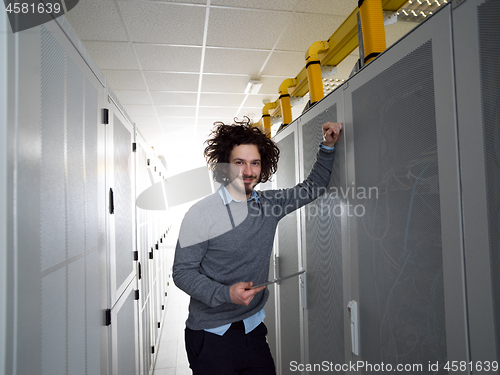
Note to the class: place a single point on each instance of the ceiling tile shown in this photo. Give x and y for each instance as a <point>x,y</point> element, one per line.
<point>165,111</point>
<point>125,79</point>
<point>234,61</point>
<point>140,110</point>
<point>271,85</point>
<point>112,55</point>
<point>172,81</point>
<point>173,122</point>
<point>170,98</point>
<point>255,29</point>
<point>287,64</point>
<point>133,97</point>
<point>397,30</point>
<point>284,5</point>
<point>344,69</point>
<point>335,7</point>
<point>169,58</point>
<point>222,112</point>
<point>164,23</point>
<point>207,123</point>
<point>150,122</point>
<point>96,20</point>
<point>202,2</point>
<point>254,114</point>
<point>231,100</point>
<point>257,100</point>
<point>305,29</point>
<point>224,83</point>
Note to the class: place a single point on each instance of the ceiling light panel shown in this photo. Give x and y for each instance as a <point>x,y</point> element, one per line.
<point>164,23</point>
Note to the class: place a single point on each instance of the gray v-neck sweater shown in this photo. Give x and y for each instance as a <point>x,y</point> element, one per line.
<point>222,245</point>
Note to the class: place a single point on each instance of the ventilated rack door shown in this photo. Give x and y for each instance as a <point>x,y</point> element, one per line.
<point>287,255</point>
<point>477,49</point>
<point>406,251</point>
<point>324,230</point>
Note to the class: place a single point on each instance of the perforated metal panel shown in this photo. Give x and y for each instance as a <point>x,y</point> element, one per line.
<point>323,248</point>
<point>288,259</point>
<point>270,307</point>
<point>52,178</point>
<point>124,213</point>
<point>71,273</point>
<point>126,337</point>
<point>489,57</point>
<point>398,225</point>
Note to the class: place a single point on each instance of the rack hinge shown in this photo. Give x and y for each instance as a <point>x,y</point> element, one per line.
<point>137,294</point>
<point>134,147</point>
<point>136,255</point>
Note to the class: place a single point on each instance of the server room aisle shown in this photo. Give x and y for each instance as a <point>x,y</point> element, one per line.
<point>172,359</point>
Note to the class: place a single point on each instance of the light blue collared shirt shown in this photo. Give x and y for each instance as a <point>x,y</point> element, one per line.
<point>253,321</point>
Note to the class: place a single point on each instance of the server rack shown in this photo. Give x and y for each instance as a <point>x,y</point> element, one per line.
<point>71,281</point>
<point>418,162</point>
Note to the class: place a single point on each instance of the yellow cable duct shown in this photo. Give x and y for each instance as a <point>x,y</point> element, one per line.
<point>372,23</point>
<point>313,68</point>
<point>286,107</point>
<point>341,44</point>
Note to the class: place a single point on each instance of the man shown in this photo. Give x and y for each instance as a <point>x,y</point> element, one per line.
<point>224,248</point>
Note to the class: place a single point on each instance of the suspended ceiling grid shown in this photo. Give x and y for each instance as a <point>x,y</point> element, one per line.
<point>179,66</point>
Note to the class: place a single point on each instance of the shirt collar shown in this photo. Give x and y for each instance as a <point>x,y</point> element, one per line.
<point>227,198</point>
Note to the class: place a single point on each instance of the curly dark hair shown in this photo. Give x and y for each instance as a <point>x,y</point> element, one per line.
<point>225,137</point>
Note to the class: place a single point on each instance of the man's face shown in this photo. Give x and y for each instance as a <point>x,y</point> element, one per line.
<point>244,170</point>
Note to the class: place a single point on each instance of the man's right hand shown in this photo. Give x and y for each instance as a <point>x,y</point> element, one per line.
<point>242,293</point>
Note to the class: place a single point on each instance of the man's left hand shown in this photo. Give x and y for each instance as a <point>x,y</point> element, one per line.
<point>331,133</point>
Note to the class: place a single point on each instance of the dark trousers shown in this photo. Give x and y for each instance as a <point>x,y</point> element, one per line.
<point>234,353</point>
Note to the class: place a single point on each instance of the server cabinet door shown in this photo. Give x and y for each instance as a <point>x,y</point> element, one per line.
<point>406,249</point>
<point>120,189</point>
<point>324,242</point>
<point>272,303</point>
<point>57,263</point>
<point>124,328</point>
<point>476,40</point>
<point>287,254</point>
